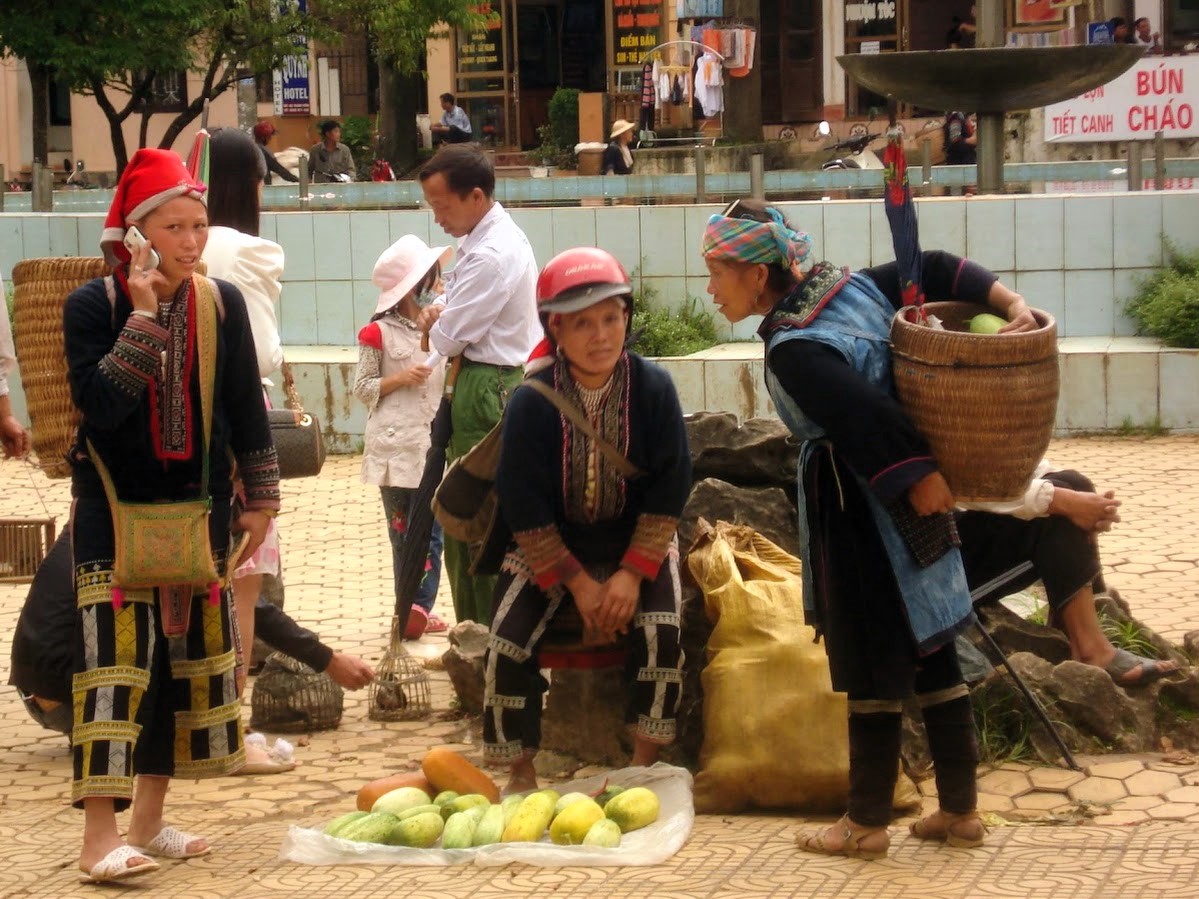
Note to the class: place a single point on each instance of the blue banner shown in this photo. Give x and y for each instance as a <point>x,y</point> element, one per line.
<point>292,91</point>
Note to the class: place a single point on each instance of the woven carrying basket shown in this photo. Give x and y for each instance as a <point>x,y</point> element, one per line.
<point>40,288</point>
<point>986,403</point>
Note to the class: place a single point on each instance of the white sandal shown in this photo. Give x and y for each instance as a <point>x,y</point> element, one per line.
<point>173,843</point>
<point>115,866</point>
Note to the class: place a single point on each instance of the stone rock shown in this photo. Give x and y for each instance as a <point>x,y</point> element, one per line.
<point>1190,643</point>
<point>756,453</point>
<point>1088,698</point>
<point>1015,634</point>
<point>463,662</point>
<point>584,716</point>
<point>765,509</point>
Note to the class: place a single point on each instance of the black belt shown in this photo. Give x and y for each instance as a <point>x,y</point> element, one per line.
<point>502,369</point>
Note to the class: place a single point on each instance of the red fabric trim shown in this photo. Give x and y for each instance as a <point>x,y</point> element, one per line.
<point>372,336</point>
<point>896,465</point>
<point>641,564</point>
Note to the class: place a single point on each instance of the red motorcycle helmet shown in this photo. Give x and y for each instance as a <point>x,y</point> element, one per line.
<point>263,131</point>
<point>578,278</point>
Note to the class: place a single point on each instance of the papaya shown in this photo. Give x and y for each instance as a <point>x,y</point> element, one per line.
<point>490,828</point>
<point>459,831</point>
<point>401,800</point>
<point>447,770</point>
<point>531,819</point>
<point>338,824</point>
<point>633,809</point>
<point>418,832</point>
<point>370,793</point>
<point>571,825</point>
<point>604,832</point>
<point>986,323</point>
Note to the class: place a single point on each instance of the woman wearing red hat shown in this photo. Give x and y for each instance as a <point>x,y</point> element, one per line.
<point>263,132</point>
<point>586,527</point>
<point>165,415</point>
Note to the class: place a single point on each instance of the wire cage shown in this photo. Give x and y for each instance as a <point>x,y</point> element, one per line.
<point>289,697</point>
<point>24,543</point>
<point>400,690</point>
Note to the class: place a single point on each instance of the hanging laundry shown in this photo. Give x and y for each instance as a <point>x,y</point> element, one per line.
<point>647,97</point>
<point>750,40</point>
<point>709,84</point>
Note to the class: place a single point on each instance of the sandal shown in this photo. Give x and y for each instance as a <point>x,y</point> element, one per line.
<point>1124,663</point>
<point>115,866</point>
<point>962,831</point>
<point>852,844</point>
<point>172,843</point>
<point>418,620</point>
<point>435,624</point>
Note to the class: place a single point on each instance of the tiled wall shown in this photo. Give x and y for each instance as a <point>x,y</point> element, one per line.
<point>1079,257</point>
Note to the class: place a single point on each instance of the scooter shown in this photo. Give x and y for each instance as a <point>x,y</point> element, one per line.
<point>859,155</point>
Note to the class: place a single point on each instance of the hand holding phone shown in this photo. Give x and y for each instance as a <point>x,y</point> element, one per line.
<point>134,241</point>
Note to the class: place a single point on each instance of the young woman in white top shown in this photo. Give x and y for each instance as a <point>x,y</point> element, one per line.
<point>402,394</point>
<point>236,253</point>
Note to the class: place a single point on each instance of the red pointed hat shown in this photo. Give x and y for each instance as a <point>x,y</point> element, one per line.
<point>151,178</point>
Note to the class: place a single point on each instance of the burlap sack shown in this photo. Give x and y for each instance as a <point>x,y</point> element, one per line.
<point>775,733</point>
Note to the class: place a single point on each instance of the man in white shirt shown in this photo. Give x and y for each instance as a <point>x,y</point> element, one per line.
<point>13,436</point>
<point>488,317</point>
<point>454,127</point>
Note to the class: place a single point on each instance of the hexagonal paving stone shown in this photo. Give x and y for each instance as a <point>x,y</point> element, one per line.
<point>1006,783</point>
<point>1102,790</point>
<point>1038,801</point>
<point>1054,779</point>
<point>1152,783</point>
<point>1119,770</point>
<point>1173,811</point>
<point>994,802</point>
<point>1184,794</point>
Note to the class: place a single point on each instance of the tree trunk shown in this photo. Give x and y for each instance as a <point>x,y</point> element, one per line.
<point>398,100</point>
<point>120,155</point>
<point>743,96</point>
<point>39,81</point>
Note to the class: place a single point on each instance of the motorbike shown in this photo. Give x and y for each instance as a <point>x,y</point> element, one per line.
<point>858,154</point>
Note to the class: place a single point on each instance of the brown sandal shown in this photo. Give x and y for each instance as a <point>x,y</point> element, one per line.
<point>851,843</point>
<point>962,831</point>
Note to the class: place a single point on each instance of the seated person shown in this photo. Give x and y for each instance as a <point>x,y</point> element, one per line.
<point>43,646</point>
<point>618,157</point>
<point>1051,535</point>
<point>454,127</point>
<point>584,527</point>
<point>330,160</point>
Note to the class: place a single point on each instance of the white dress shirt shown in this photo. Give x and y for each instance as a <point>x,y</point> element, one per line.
<point>490,313</point>
<point>254,265</point>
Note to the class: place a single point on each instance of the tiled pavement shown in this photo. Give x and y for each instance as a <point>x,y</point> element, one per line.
<point>1128,827</point>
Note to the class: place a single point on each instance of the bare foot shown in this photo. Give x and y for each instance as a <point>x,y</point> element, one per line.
<point>523,777</point>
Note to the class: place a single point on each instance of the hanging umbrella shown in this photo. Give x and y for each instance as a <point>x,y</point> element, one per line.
<point>901,215</point>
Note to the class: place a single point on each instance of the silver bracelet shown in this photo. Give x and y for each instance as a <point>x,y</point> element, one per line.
<point>144,314</point>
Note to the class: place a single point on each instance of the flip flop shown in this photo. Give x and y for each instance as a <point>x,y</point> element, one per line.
<point>418,621</point>
<point>1124,661</point>
<point>435,625</point>
<point>172,843</point>
<point>115,866</point>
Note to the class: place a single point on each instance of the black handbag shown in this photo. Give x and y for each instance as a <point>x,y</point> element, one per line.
<point>297,434</point>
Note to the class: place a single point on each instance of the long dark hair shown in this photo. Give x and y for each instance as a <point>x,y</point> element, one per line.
<point>779,277</point>
<point>236,168</point>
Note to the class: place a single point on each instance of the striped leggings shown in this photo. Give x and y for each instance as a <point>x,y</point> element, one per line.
<point>514,686</point>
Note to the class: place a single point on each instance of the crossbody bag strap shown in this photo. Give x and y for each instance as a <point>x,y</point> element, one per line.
<point>626,468</point>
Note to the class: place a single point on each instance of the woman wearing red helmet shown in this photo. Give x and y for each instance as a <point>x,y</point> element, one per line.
<point>263,132</point>
<point>582,530</point>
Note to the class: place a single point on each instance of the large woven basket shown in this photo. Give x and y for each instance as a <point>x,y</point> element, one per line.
<point>986,403</point>
<point>40,288</point>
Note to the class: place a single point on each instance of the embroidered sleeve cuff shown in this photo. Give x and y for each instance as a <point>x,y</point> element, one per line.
<point>135,357</point>
<point>651,540</point>
<point>895,480</point>
<point>547,555</point>
<point>259,472</point>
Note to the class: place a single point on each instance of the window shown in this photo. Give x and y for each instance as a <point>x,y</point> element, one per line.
<point>168,92</point>
<point>60,102</point>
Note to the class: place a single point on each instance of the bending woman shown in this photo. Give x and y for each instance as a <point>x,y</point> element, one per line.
<point>583,531</point>
<point>155,693</point>
<point>883,579</point>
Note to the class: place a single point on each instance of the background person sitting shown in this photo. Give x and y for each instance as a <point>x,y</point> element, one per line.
<point>330,160</point>
<point>618,157</point>
<point>454,127</point>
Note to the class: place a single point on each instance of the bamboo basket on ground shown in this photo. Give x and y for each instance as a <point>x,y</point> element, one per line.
<point>986,403</point>
<point>40,288</point>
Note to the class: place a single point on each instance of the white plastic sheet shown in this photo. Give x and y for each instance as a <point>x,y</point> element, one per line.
<point>647,846</point>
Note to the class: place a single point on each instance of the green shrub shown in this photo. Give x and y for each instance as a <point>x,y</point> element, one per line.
<point>564,117</point>
<point>1167,304</point>
<point>662,332</point>
<point>358,133</point>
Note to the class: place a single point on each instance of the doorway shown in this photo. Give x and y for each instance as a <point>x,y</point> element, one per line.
<point>792,60</point>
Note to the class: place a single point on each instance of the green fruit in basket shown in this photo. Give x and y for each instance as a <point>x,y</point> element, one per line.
<point>986,323</point>
<point>604,832</point>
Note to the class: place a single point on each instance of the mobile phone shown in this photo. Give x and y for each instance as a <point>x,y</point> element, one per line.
<point>135,240</point>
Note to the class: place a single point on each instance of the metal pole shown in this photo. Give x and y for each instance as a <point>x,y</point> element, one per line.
<point>926,162</point>
<point>3,187</point>
<point>990,152</point>
<point>701,195</point>
<point>757,188</point>
<point>1136,175</point>
<point>303,166</point>
<point>1159,160</point>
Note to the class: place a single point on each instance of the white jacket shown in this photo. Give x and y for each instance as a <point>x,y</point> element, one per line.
<point>254,266</point>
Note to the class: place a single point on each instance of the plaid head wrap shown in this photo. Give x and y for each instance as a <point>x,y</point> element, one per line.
<point>771,243</point>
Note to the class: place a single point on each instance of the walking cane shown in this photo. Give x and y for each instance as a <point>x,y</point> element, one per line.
<point>1034,703</point>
